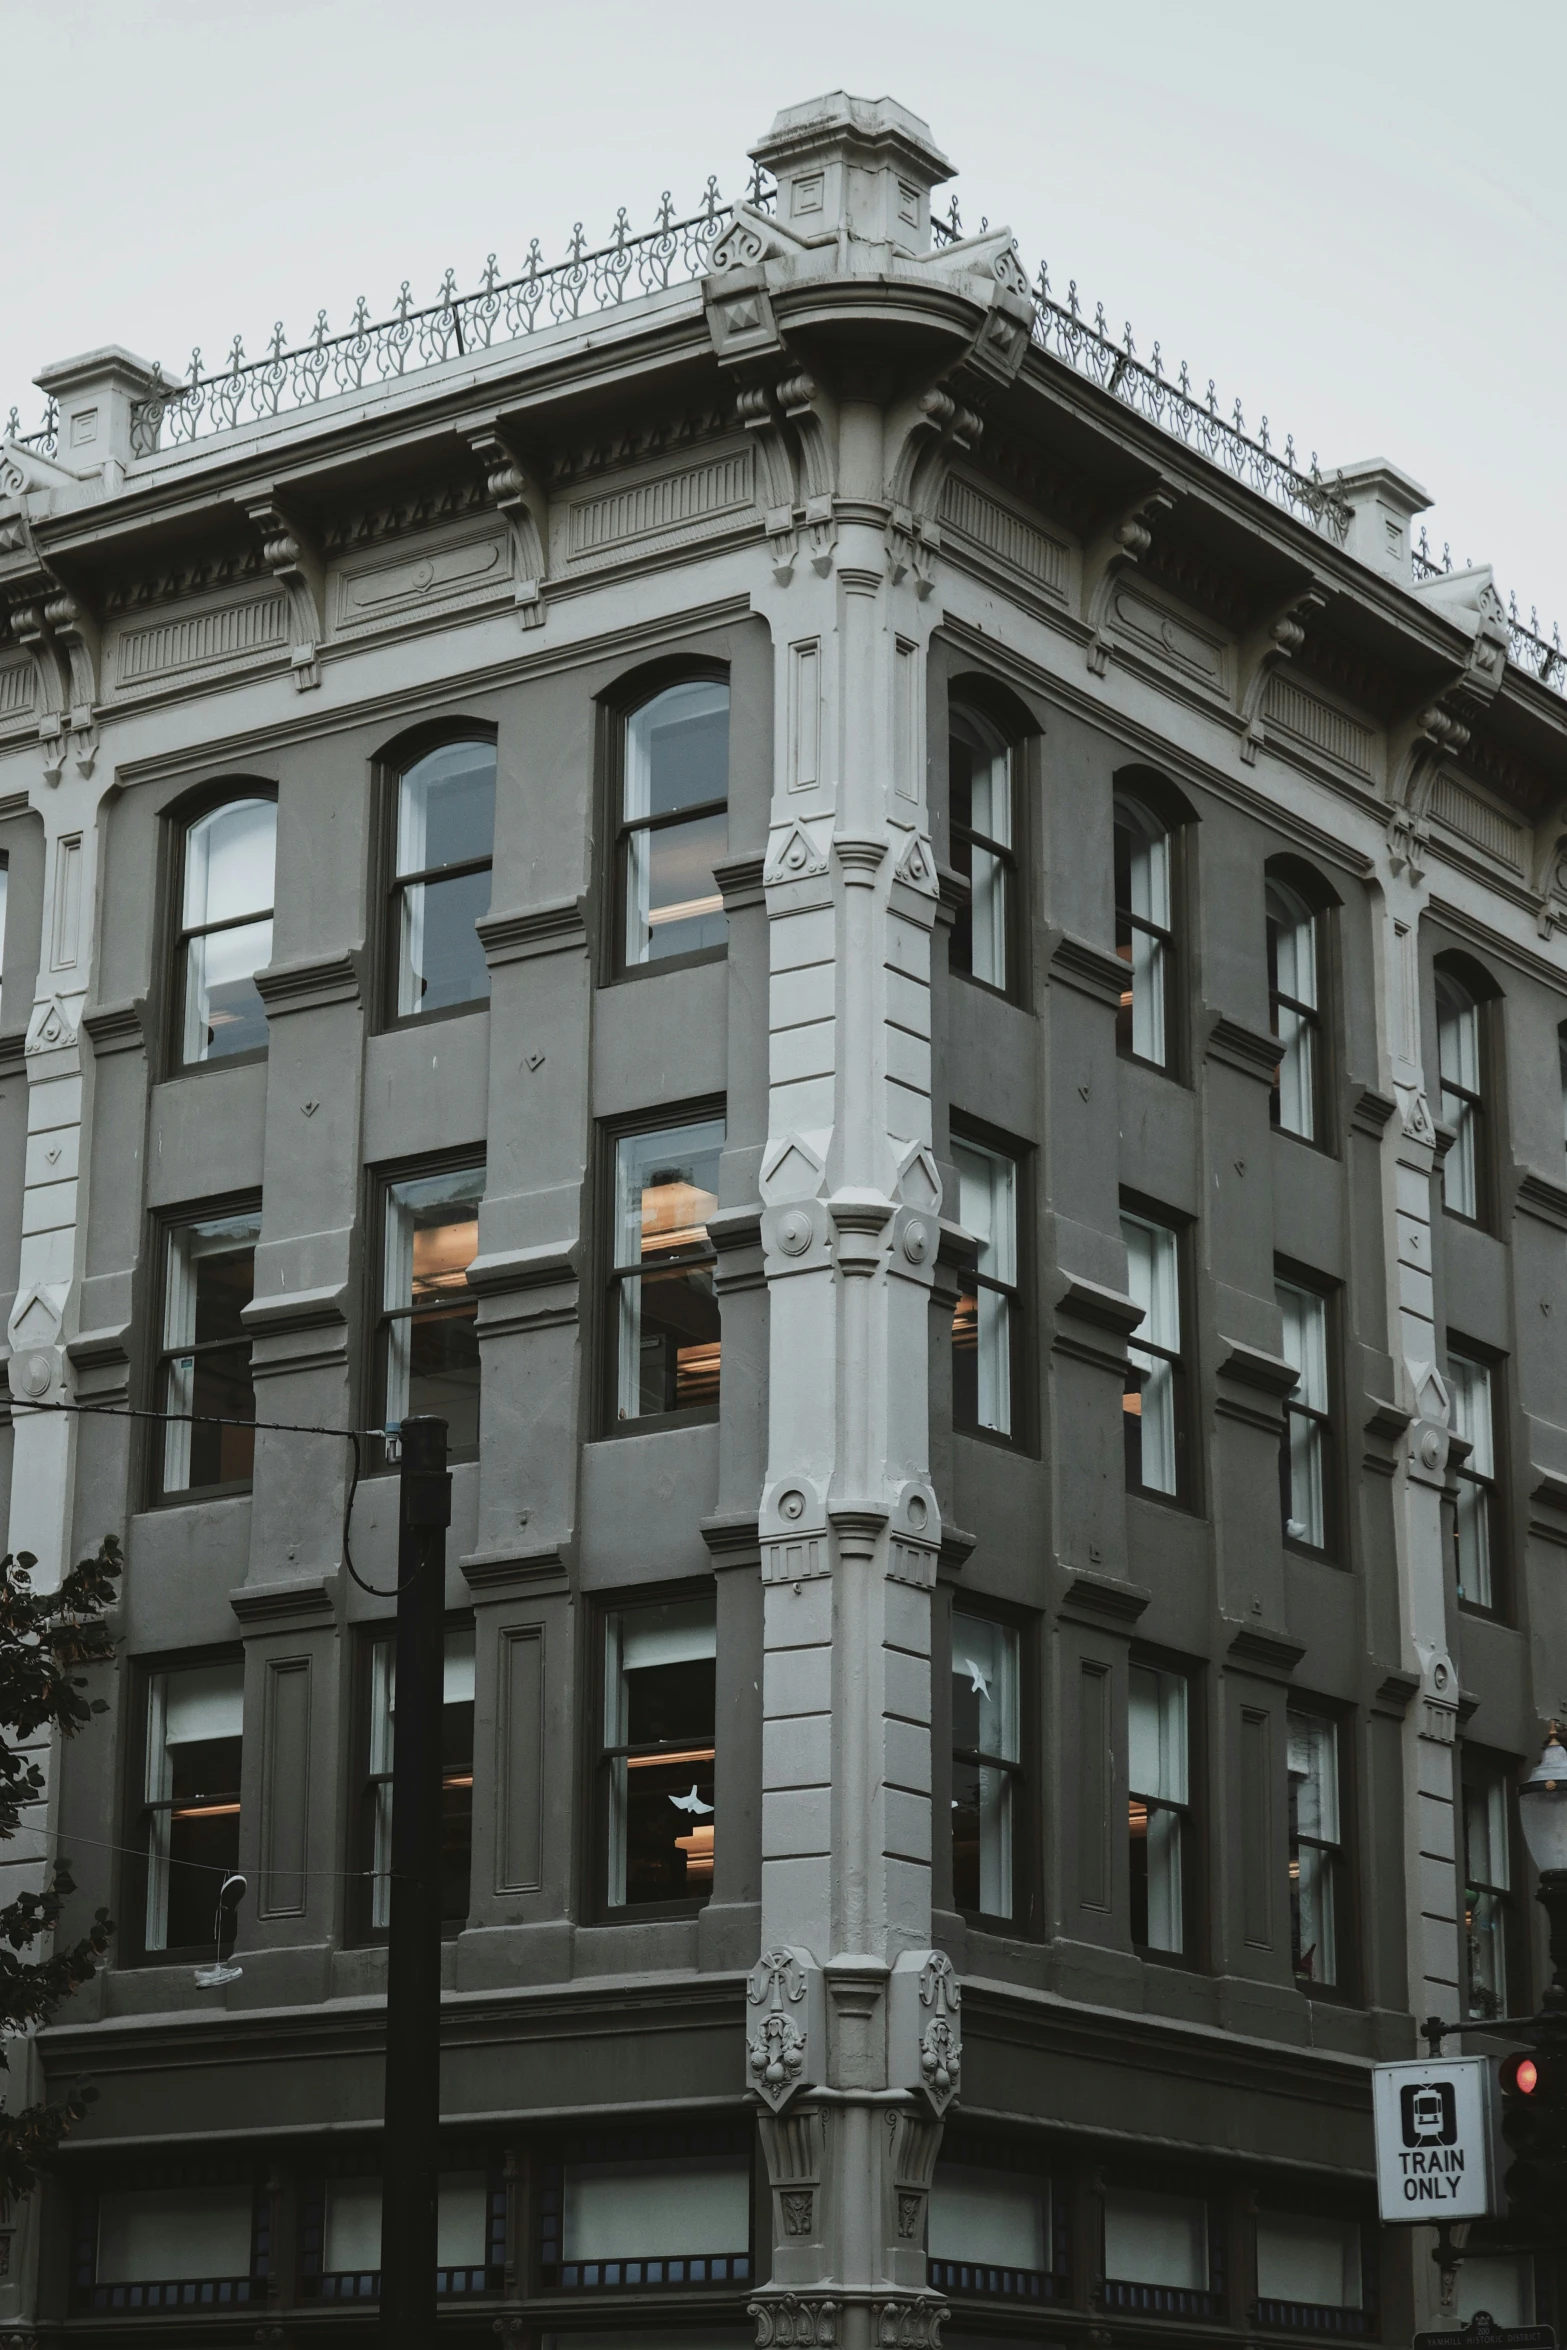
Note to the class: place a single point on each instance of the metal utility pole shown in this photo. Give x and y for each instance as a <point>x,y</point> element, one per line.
<point>410,2152</point>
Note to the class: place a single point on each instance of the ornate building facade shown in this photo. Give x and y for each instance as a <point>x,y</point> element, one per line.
<point>923,989</point>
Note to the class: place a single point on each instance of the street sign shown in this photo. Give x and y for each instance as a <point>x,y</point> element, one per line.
<point>1433,2140</point>
<point>1483,2333</point>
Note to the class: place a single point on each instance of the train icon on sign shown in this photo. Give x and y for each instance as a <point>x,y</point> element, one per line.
<point>1429,2113</point>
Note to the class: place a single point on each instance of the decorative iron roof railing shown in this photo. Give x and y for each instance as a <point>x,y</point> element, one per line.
<point>1527,647</point>
<point>501,310</point>
<point>675,252</point>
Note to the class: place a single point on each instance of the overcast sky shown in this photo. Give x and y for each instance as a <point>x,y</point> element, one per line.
<point>1349,215</point>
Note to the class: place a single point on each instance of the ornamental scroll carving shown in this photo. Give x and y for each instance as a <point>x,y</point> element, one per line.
<point>788,2323</point>
<point>776,2044</point>
<point>941,2040</point>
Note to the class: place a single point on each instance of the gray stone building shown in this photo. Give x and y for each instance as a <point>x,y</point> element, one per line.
<point>925,989</point>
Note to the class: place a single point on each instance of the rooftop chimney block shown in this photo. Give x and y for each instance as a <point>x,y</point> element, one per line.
<point>864,166</point>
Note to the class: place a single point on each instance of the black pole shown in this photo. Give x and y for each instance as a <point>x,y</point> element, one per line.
<point>410,2158</point>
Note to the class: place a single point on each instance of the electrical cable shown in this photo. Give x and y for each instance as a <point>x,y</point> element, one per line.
<point>350,1436</point>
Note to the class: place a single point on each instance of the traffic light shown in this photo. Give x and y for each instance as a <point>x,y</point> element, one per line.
<point>1532,2085</point>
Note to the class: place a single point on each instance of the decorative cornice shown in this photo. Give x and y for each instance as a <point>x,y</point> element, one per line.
<point>1396,1692</point>
<point>1249,1366</point>
<point>515,1570</point>
<point>115,1028</point>
<point>308,986</point>
<point>1370,1111</point>
<point>509,1270</point>
<point>1251,1050</point>
<point>1094,971</point>
<point>733,1538</point>
<point>957,1547</point>
<point>1539,1197</point>
<point>286,1311</point>
<point>1105,1598</point>
<point>541,930</point>
<point>740,882</point>
<point>13,1052</point>
<point>269,1604</point>
<point>1102,1307</point>
<point>1272,1653</point>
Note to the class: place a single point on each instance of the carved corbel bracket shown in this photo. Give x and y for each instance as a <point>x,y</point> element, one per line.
<point>935,434</point>
<point>296,564</point>
<point>62,635</point>
<point>1275,641</point>
<point>1548,869</point>
<point>1121,544</point>
<point>790,423</point>
<point>1417,750</point>
<point>521,499</point>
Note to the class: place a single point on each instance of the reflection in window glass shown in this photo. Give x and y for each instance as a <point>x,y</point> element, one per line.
<point>1293,998</point>
<point>1144,936</point>
<point>445,840</point>
<point>1463,1106</point>
<point>986,1324</point>
<point>1156,1742</point>
<point>1315,1848</point>
<point>1156,2239</point>
<point>1473,1421</point>
<point>1152,1399</point>
<point>666,1322</point>
<point>226,929</point>
<point>1307,1425</point>
<point>430,1336</point>
<point>1487,1883</point>
<point>194,1723</point>
<point>166,2235</point>
<point>204,1367</point>
<point>1310,2261</point>
<point>979,770</point>
<point>698,2205</point>
<point>456,1775</point>
<point>659,1715</point>
<point>985,1763</point>
<point>351,2225</point>
<point>674,822</point>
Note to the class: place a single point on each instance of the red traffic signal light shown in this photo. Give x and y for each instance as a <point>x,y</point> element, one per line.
<point>1519,2076</point>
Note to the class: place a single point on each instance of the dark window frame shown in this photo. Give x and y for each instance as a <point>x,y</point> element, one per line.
<point>177,820</point>
<point>1187,1495</point>
<point>1498,1514</point>
<point>1134,2298</point>
<point>378,1180</point>
<point>1022,1436</point>
<point>983,699</point>
<point>601,1909</point>
<point>552,2273</point>
<point>316,2284</point>
<point>1482,1769</point>
<point>1346,1991</point>
<point>1023,1921</point>
<point>362,1931</point>
<point>1012,2158</point>
<point>172,2173</point>
<point>1317,895</point>
<point>1289,1274</point>
<point>1483,1101</point>
<point>388,767</point>
<point>165,1223</point>
<point>1315,2317</point>
<point>611,1132</point>
<point>618,705</point>
<point>131,1944</point>
<point>1150,792</point>
<point>1194,1957</point>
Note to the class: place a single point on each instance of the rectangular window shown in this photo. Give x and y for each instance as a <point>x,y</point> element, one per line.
<point>1154,1402</point>
<point>1470,1387</point>
<point>631,2210</point>
<point>987,1326</point>
<point>1501,2283</point>
<point>340,2236</point>
<point>1295,1006</point>
<point>980,788</point>
<point>988,2219</point>
<point>1158,1797</point>
<point>1156,2240</point>
<point>986,1764</point>
<point>204,1366</point>
<point>429,1337</point>
<point>1461,1061</point>
<point>175,2235</point>
<point>1316,1849</point>
<point>656,1765</point>
<point>456,1775</point>
<point>674,823</point>
<point>441,883</point>
<point>1309,2262</point>
<point>1488,1921</point>
<point>1305,1456</point>
<point>190,1804</point>
<point>665,1333</point>
<point>5,886</point>
<point>1144,931</point>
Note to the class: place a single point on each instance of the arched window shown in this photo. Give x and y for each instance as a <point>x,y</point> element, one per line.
<point>674,823</point>
<point>980,782</point>
<point>1460,1044</point>
<point>1144,931</point>
<point>225,932</point>
<point>1295,1005</point>
<point>441,880</point>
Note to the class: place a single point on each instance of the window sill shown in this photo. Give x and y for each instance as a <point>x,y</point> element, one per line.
<point>1177,1962</point>
<point>1307,1142</point>
<point>1000,995</point>
<point>1164,1501</point>
<point>654,1423</point>
<point>655,970</point>
<point>193,1496</point>
<point>1318,1558</point>
<point>400,1025</point>
<point>995,1438</point>
<point>179,1069</point>
<point>1156,1068</point>
<point>651,1913</point>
